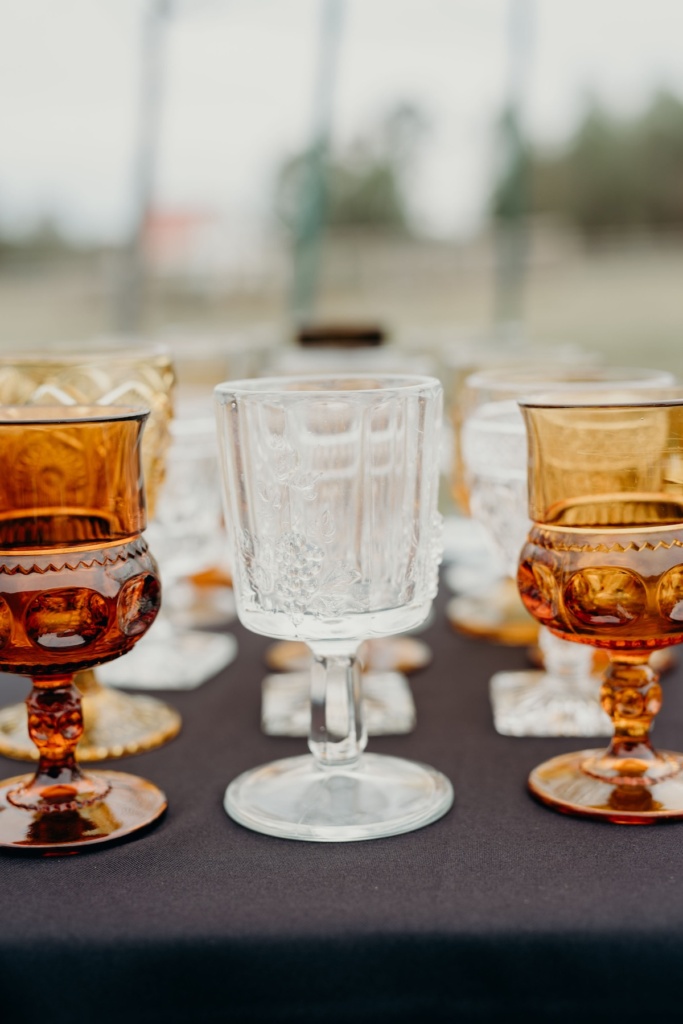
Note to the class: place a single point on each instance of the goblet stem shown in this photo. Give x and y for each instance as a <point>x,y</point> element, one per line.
<point>55,724</point>
<point>338,735</point>
<point>631,696</point>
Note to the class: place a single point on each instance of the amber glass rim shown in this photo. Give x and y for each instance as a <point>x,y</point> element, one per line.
<point>39,415</point>
<point>544,378</point>
<point>602,397</point>
<point>323,385</point>
<point>129,349</point>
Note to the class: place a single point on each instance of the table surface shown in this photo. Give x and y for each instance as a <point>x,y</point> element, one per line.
<point>501,908</point>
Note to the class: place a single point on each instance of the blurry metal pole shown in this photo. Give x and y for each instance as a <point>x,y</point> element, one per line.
<point>129,299</point>
<point>311,213</point>
<point>512,231</point>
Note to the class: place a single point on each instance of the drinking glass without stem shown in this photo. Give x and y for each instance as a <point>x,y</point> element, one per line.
<point>331,487</point>
<point>603,565</point>
<point>561,700</point>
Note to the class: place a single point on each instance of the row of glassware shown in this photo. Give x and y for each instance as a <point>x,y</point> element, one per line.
<point>332,500</point>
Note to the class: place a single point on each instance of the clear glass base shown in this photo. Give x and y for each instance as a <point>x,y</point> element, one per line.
<point>388,705</point>
<point>561,784</point>
<point>129,805</point>
<point>497,615</point>
<point>183,660</point>
<point>378,796</point>
<point>534,704</point>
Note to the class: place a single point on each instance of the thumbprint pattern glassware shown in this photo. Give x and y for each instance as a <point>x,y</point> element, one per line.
<point>134,374</point>
<point>331,486</point>
<point>603,565</point>
<point>78,586</point>
<point>562,700</point>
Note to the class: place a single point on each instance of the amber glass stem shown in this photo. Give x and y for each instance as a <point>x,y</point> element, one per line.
<point>631,696</point>
<point>55,724</point>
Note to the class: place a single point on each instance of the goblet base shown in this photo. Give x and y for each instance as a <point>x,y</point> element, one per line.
<point>534,704</point>
<point>130,804</point>
<point>182,661</point>
<point>378,796</point>
<point>497,615</point>
<point>561,784</point>
<point>116,725</point>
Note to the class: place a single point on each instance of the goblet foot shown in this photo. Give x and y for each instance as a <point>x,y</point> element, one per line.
<point>388,705</point>
<point>182,661</point>
<point>378,796</point>
<point>497,615</point>
<point>534,704</point>
<point>129,804</point>
<point>115,725</point>
<point>563,785</point>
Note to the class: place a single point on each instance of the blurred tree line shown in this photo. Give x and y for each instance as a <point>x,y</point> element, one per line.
<point>365,185</point>
<point>614,173</point>
<point>42,243</point>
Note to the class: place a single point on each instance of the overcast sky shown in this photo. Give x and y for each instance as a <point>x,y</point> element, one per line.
<point>239,95</point>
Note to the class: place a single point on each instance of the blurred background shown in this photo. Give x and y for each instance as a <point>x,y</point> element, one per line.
<point>439,167</point>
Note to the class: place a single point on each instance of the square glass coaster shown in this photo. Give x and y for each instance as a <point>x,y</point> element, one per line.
<point>388,704</point>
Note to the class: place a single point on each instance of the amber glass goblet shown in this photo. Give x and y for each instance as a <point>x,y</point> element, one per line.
<point>128,373</point>
<point>78,586</point>
<point>603,565</point>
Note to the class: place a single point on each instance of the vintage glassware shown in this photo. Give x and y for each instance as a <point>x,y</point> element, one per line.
<point>329,349</point>
<point>388,704</point>
<point>331,488</point>
<point>562,700</point>
<point>202,360</point>
<point>78,586</point>
<point>486,604</point>
<point>186,535</point>
<point>107,372</point>
<point>603,565</point>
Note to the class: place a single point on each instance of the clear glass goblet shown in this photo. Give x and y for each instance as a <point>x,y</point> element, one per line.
<point>486,604</point>
<point>331,486</point>
<point>603,565</point>
<point>185,534</point>
<point>562,700</point>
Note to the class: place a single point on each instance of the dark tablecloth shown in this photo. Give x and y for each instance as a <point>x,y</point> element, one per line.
<point>502,909</point>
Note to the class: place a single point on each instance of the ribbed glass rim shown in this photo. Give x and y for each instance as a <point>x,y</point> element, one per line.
<point>643,398</point>
<point>304,385</point>
<point>67,415</point>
